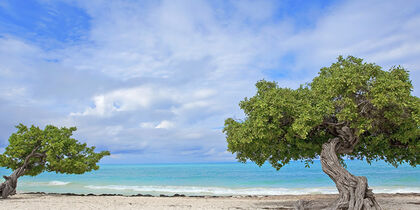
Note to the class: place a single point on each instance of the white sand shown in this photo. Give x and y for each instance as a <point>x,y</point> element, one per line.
<point>42,201</point>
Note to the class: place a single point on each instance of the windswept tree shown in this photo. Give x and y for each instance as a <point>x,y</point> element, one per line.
<point>33,150</point>
<point>350,110</point>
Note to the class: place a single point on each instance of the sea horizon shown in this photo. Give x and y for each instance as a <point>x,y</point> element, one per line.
<point>219,179</point>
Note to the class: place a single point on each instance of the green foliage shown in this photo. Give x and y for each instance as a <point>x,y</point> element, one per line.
<point>63,154</point>
<point>283,124</point>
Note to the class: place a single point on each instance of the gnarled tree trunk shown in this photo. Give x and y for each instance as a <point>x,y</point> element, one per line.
<point>353,190</point>
<point>8,187</point>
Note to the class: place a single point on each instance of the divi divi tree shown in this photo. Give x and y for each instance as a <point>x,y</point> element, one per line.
<point>352,109</point>
<point>33,150</point>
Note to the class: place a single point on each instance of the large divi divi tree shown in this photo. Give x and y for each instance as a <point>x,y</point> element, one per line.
<point>350,110</point>
<point>33,150</point>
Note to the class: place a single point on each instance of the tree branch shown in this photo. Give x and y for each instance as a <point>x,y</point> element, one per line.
<point>21,170</point>
<point>347,135</point>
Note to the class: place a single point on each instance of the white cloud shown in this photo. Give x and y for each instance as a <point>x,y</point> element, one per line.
<point>383,32</point>
<point>204,93</point>
<point>128,99</point>
<point>12,92</point>
<point>165,124</point>
<point>148,68</point>
<point>147,125</point>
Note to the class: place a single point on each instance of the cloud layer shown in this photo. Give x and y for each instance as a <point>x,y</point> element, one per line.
<point>153,81</point>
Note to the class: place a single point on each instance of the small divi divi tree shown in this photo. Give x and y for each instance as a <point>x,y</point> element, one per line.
<point>350,110</point>
<point>33,150</point>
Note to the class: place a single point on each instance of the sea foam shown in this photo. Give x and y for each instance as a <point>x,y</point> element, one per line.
<point>195,190</point>
<point>57,183</point>
<point>40,184</point>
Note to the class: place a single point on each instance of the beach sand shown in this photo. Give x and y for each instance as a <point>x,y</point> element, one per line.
<point>59,201</point>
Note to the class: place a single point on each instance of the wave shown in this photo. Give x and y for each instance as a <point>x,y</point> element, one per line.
<point>58,183</point>
<point>195,190</point>
<point>51,183</point>
<point>395,189</point>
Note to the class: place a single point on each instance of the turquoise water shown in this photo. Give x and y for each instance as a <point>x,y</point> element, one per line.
<point>219,179</point>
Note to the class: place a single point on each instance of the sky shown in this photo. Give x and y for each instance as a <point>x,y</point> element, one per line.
<point>153,81</point>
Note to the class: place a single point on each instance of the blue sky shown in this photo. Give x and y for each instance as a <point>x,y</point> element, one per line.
<point>153,81</point>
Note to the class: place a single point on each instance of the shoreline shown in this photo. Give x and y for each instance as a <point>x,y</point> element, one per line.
<point>199,196</point>
<point>41,200</point>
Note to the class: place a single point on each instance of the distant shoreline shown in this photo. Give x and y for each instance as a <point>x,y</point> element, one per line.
<point>41,200</point>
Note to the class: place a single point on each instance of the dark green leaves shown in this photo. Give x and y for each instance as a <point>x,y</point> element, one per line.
<point>282,124</point>
<point>63,154</point>
<point>275,128</point>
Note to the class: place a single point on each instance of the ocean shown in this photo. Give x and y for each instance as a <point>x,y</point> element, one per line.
<point>219,179</point>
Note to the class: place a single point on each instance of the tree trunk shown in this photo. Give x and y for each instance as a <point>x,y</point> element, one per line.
<point>353,190</point>
<point>8,187</point>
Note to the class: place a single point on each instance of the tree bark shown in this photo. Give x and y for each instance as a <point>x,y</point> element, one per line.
<point>8,187</point>
<point>353,190</point>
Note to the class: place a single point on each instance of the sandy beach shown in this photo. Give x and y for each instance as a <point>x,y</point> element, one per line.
<point>59,201</point>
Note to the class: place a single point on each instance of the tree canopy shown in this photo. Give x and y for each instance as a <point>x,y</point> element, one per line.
<point>51,149</point>
<point>284,124</point>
